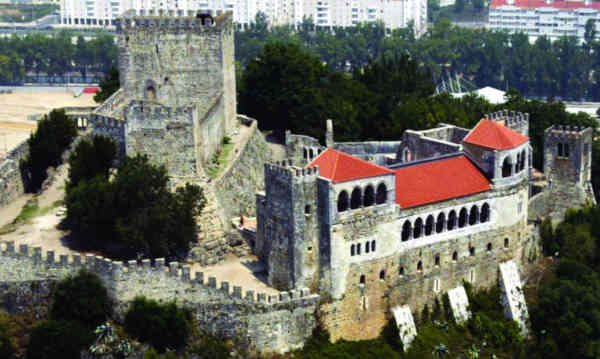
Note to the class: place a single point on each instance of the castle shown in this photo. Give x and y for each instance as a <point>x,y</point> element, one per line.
<point>356,231</point>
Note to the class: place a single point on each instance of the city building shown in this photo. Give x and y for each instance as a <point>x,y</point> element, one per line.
<point>325,13</point>
<point>536,18</point>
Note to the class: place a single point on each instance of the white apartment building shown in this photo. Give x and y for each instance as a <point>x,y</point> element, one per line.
<point>325,13</point>
<point>536,18</point>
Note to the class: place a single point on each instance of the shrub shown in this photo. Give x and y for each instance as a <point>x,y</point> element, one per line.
<point>209,348</point>
<point>391,335</point>
<point>226,140</point>
<point>81,298</point>
<point>90,158</point>
<point>58,339</point>
<point>161,325</point>
<point>54,134</point>
<point>7,349</point>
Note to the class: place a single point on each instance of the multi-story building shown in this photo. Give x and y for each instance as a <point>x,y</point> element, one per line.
<point>536,18</point>
<point>325,13</point>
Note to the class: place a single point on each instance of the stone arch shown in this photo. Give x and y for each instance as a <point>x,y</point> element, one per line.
<point>462,217</point>
<point>311,153</point>
<point>420,266</point>
<point>401,271</point>
<point>439,224</point>
<point>472,251</point>
<point>451,220</point>
<point>362,279</point>
<point>367,247</point>
<point>489,247</point>
<point>373,246</point>
<point>436,259</point>
<point>305,153</point>
<point>507,167</point>
<point>358,249</point>
<point>484,216</point>
<point>418,228</point>
<point>406,155</point>
<point>429,222</point>
<point>506,243</point>
<point>382,275</point>
<point>474,215</point>
<point>523,159</point>
<point>342,201</point>
<point>356,199</point>
<point>455,256</point>
<point>566,150</point>
<point>406,231</point>
<point>381,194</point>
<point>352,250</point>
<point>369,197</point>
<point>150,90</point>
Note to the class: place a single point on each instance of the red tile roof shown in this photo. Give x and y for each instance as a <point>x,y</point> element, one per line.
<point>341,167</point>
<point>91,90</point>
<point>438,181</point>
<point>494,135</point>
<point>560,5</point>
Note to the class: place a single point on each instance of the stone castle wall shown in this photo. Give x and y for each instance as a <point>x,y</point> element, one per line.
<point>301,149</point>
<point>237,185</point>
<point>11,182</point>
<point>266,322</point>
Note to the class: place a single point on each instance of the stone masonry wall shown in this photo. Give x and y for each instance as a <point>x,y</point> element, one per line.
<point>267,322</point>
<point>299,148</point>
<point>11,183</point>
<point>236,186</point>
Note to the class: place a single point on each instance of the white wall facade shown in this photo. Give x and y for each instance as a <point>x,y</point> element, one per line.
<point>553,22</point>
<point>325,13</point>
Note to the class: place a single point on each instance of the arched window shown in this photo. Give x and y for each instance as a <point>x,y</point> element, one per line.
<point>437,260</point>
<point>401,272</point>
<point>373,246</point>
<point>474,215</point>
<point>311,153</point>
<point>367,247</point>
<point>406,231</point>
<point>305,153</point>
<point>429,225</point>
<point>418,230</point>
<point>485,213</point>
<point>462,218</point>
<point>420,266</point>
<point>369,196</point>
<point>343,201</point>
<point>489,247</point>
<point>356,199</point>
<point>566,150</point>
<point>406,155</point>
<point>307,209</point>
<point>358,249</point>
<point>560,150</point>
<point>472,251</point>
<point>507,167</point>
<point>362,279</point>
<point>506,244</point>
<point>451,220</point>
<point>150,93</point>
<point>455,256</point>
<point>439,224</point>
<point>523,157</point>
<point>352,250</point>
<point>382,275</point>
<point>381,194</point>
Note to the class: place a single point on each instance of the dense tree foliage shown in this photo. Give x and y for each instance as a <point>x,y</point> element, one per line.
<point>161,325</point>
<point>81,298</point>
<point>562,69</point>
<point>58,339</point>
<point>53,136</point>
<point>133,214</point>
<point>54,55</point>
<point>109,85</point>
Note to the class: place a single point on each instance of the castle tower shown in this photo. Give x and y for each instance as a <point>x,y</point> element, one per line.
<point>568,155</point>
<point>178,78</point>
<point>288,237</point>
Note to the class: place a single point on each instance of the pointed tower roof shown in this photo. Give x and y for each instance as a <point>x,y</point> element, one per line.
<point>341,167</point>
<point>494,135</point>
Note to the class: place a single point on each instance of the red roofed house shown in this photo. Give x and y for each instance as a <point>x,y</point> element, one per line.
<point>372,233</point>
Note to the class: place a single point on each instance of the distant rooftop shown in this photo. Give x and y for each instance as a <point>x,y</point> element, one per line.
<point>534,4</point>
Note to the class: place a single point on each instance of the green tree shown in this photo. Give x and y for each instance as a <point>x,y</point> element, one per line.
<point>58,339</point>
<point>109,85</point>
<point>53,136</point>
<point>590,31</point>
<point>90,158</point>
<point>478,5</point>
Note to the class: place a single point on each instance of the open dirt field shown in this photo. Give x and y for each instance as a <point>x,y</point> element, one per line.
<point>15,107</point>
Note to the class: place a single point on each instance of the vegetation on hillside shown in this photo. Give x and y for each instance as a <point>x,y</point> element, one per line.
<point>132,214</point>
<point>53,136</point>
<point>16,13</point>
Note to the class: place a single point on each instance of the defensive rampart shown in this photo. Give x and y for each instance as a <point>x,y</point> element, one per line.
<point>266,322</point>
<point>11,182</point>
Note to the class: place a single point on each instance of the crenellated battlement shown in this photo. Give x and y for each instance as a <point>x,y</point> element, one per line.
<point>568,132</point>
<point>285,169</point>
<point>118,271</point>
<point>132,21</point>
<point>509,116</point>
